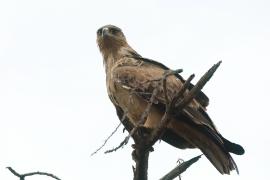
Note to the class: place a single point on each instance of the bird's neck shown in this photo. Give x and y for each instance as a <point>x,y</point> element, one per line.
<point>112,56</point>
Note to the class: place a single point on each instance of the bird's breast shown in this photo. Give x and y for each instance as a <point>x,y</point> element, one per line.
<point>127,100</point>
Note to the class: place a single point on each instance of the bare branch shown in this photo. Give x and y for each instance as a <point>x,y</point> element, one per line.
<point>106,140</point>
<point>114,131</point>
<point>140,156</point>
<point>164,85</point>
<point>164,82</point>
<point>23,176</point>
<point>183,89</point>
<point>14,172</point>
<point>199,85</point>
<point>124,142</point>
<point>165,75</point>
<point>42,173</point>
<point>147,110</point>
<point>141,122</point>
<point>182,167</point>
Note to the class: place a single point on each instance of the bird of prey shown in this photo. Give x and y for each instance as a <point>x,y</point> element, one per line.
<point>130,81</point>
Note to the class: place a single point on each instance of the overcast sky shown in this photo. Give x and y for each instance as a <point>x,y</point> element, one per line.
<point>54,108</point>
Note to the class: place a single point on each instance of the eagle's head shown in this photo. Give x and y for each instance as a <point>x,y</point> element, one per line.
<point>110,38</point>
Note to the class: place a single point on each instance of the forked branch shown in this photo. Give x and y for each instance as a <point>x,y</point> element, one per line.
<point>23,176</point>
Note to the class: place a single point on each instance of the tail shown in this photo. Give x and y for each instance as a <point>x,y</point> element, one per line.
<point>219,157</point>
<point>232,147</point>
<point>214,149</point>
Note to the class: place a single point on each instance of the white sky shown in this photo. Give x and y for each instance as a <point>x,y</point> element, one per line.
<point>54,109</point>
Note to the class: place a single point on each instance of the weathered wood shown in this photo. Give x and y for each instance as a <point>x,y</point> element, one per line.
<point>180,169</point>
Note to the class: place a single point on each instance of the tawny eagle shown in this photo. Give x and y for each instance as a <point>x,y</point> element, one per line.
<point>130,81</point>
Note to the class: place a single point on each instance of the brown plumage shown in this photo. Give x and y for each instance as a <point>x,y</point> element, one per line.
<point>129,79</point>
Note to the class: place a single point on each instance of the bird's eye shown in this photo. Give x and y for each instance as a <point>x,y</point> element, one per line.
<point>99,31</point>
<point>113,31</point>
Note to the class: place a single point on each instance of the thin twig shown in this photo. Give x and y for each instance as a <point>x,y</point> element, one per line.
<point>141,122</point>
<point>165,75</point>
<point>114,131</point>
<point>147,109</point>
<point>22,176</point>
<point>106,140</point>
<point>119,146</point>
<point>164,85</point>
<point>183,89</point>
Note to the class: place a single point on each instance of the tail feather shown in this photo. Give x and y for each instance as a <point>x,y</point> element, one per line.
<point>216,153</point>
<point>221,159</point>
<point>233,147</point>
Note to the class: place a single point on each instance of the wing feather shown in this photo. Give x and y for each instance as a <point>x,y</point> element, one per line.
<point>201,97</point>
<point>142,80</point>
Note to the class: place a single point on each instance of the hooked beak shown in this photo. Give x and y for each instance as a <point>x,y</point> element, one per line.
<point>105,32</point>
